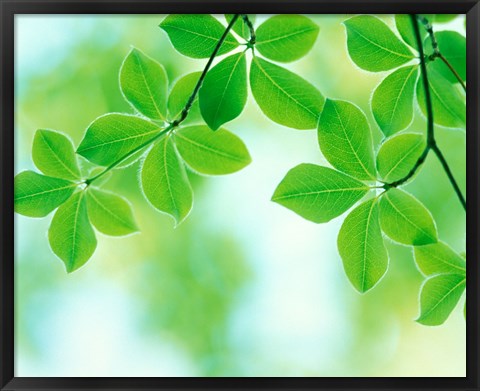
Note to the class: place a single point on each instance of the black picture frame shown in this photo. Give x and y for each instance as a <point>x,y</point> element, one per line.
<point>8,10</point>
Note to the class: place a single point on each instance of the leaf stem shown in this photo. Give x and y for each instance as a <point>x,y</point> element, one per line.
<point>431,142</point>
<point>452,69</point>
<point>436,50</point>
<point>182,116</point>
<point>412,172</point>
<point>447,169</point>
<point>192,97</point>
<point>248,22</point>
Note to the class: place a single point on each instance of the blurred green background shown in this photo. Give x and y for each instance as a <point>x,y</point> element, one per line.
<point>243,287</point>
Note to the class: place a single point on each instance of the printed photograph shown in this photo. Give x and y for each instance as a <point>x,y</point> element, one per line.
<point>240,195</point>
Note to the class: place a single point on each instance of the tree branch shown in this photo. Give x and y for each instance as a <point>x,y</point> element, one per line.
<point>431,143</point>
<point>184,113</point>
<point>436,50</point>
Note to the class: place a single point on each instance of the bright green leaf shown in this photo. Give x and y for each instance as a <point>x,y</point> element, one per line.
<point>438,297</point>
<point>360,244</point>
<point>179,96</point>
<point>211,153</point>
<point>444,18</point>
<point>110,213</point>
<point>346,140</point>
<point>71,235</point>
<point>392,101</point>
<point>37,195</point>
<point>240,27</point>
<point>398,155</point>
<point>224,91</point>
<point>405,28</point>
<point>453,47</point>
<point>404,219</point>
<point>197,35</point>
<point>284,97</point>
<point>113,136</point>
<point>286,38</point>
<point>373,46</point>
<point>438,258</point>
<point>144,84</point>
<point>448,101</point>
<point>165,182</point>
<point>54,155</point>
<point>318,193</point>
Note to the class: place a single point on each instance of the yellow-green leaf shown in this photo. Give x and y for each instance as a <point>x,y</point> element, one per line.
<point>54,155</point>
<point>360,244</point>
<point>398,155</point>
<point>373,46</point>
<point>71,235</point>
<point>318,193</point>
<point>196,35</point>
<point>285,97</point>
<point>439,296</point>
<point>405,219</point>
<point>110,213</point>
<point>346,140</point>
<point>144,84</point>
<point>211,153</point>
<point>286,38</point>
<point>224,91</point>
<point>392,101</point>
<point>165,182</point>
<point>37,195</point>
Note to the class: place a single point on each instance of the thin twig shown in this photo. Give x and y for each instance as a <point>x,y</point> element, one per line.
<point>447,169</point>
<point>452,69</point>
<point>192,97</point>
<point>436,50</point>
<point>431,142</point>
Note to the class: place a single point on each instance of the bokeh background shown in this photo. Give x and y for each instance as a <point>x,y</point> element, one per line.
<point>243,287</point>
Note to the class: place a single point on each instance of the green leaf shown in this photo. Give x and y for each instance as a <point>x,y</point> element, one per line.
<point>346,140</point>
<point>453,47</point>
<point>240,27</point>
<point>179,96</point>
<point>373,46</point>
<point>448,101</point>
<point>144,84</point>
<point>360,244</point>
<point>110,213</point>
<point>113,136</point>
<point>165,182</point>
<point>318,193</point>
<point>197,35</point>
<point>224,91</point>
<point>54,155</point>
<point>404,219</point>
<point>438,258</point>
<point>405,28</point>
<point>398,155</point>
<point>211,153</point>
<point>392,101</point>
<point>438,297</point>
<point>285,97</point>
<point>71,235</point>
<point>444,18</point>
<point>37,195</point>
<point>286,38</point>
